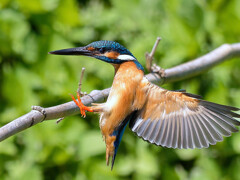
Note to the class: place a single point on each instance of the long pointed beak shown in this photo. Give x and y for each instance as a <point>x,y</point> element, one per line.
<point>73,51</point>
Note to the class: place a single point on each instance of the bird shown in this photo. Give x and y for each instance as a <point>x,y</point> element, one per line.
<point>167,118</point>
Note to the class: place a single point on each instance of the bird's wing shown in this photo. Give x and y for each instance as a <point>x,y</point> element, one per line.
<point>182,120</point>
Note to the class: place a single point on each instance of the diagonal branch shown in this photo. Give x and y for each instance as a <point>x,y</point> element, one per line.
<point>183,71</point>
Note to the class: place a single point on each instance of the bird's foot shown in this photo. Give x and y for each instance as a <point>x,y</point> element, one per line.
<point>81,106</point>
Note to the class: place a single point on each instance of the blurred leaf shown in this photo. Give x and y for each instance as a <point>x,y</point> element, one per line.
<point>67,12</point>
<point>91,144</point>
<point>22,170</point>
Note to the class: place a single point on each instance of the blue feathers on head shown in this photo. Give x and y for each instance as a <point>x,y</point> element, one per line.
<point>110,45</point>
<point>104,45</point>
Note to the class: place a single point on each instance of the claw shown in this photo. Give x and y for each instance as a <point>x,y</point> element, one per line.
<point>81,106</point>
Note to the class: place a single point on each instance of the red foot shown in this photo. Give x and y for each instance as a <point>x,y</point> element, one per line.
<point>81,106</point>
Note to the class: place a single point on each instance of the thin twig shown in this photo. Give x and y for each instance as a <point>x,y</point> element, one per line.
<point>80,82</point>
<point>149,57</point>
<point>173,74</point>
<point>78,91</point>
<point>59,120</point>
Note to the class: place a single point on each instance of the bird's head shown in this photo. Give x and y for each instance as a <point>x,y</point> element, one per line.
<point>108,51</point>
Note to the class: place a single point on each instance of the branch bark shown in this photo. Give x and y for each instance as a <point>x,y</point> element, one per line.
<point>180,72</point>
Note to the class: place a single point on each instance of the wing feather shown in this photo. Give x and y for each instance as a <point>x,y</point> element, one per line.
<point>178,131</point>
<point>228,116</point>
<point>184,133</point>
<point>186,144</point>
<point>202,137</point>
<point>206,131</point>
<point>195,133</point>
<point>190,134</point>
<point>161,132</point>
<point>226,127</point>
<point>172,142</point>
<point>164,134</point>
<point>211,128</point>
<point>142,127</point>
<point>182,120</point>
<point>167,138</point>
<point>217,124</point>
<point>155,131</point>
<point>149,129</point>
<point>174,138</point>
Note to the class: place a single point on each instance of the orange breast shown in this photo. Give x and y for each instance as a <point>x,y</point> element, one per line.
<point>121,98</point>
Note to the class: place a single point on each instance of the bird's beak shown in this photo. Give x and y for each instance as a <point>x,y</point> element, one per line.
<point>73,51</point>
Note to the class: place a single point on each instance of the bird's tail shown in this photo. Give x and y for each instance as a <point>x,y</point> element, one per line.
<point>112,144</point>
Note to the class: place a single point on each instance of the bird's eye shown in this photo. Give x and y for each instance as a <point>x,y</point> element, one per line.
<point>101,50</point>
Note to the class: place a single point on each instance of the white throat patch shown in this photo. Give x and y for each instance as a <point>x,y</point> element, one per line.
<point>125,57</point>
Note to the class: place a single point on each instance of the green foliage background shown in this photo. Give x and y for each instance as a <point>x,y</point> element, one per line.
<point>74,149</point>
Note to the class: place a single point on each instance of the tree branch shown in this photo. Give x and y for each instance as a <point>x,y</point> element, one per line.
<point>149,57</point>
<point>183,71</point>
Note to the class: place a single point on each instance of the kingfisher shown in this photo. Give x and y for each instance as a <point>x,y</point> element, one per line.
<point>173,119</point>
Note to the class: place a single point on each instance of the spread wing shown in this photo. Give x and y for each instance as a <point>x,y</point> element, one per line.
<point>182,120</point>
